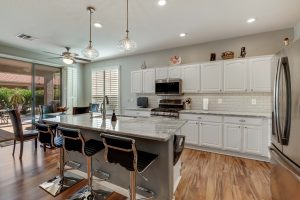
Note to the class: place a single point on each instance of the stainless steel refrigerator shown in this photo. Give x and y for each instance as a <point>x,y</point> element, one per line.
<point>285,147</point>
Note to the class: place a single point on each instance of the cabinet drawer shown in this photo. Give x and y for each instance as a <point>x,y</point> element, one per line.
<point>200,117</point>
<point>243,120</point>
<point>136,113</point>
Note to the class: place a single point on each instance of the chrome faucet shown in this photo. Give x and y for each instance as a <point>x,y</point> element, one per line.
<point>103,107</point>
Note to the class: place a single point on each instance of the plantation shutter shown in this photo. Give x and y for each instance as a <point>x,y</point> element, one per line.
<point>109,77</point>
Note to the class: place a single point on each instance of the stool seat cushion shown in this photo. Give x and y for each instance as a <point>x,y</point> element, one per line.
<point>58,141</point>
<point>92,147</point>
<point>144,160</point>
<point>30,134</point>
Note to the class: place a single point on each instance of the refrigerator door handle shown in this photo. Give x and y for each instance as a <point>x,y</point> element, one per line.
<point>287,121</point>
<point>276,101</point>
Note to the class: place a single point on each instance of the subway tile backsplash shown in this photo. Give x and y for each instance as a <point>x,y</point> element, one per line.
<point>238,102</point>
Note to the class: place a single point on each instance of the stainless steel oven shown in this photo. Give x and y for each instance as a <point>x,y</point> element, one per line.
<point>166,87</point>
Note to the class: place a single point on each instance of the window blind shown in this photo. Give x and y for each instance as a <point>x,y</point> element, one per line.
<point>109,78</point>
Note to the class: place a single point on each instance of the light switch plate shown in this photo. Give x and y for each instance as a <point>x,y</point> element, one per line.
<point>253,101</point>
<point>220,101</point>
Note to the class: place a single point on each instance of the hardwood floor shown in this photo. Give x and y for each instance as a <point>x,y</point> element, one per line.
<point>210,176</point>
<point>205,176</point>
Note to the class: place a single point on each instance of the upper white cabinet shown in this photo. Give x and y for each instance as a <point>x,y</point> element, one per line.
<point>211,134</point>
<point>260,74</point>
<point>149,81</point>
<point>174,72</point>
<point>212,77</point>
<point>235,75</point>
<point>190,75</point>
<point>137,81</point>
<point>162,73</point>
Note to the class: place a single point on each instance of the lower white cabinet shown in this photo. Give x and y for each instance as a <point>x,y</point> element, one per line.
<point>190,131</point>
<point>211,134</point>
<point>253,139</point>
<point>233,137</point>
<point>137,113</point>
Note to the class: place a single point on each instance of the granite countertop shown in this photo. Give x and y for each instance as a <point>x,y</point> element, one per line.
<point>139,109</point>
<point>227,113</point>
<point>153,128</point>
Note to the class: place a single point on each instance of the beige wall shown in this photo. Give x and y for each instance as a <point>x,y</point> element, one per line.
<point>258,44</point>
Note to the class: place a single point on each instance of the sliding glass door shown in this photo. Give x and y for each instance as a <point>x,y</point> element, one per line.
<point>25,86</point>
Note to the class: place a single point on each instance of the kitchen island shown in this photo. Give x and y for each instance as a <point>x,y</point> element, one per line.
<point>152,134</point>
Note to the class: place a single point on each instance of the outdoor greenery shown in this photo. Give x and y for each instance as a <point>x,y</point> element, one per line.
<point>14,98</point>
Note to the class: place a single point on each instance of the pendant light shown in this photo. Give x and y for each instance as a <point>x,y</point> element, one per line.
<point>89,51</point>
<point>127,44</point>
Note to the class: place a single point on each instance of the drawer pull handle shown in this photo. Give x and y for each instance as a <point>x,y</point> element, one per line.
<point>242,120</point>
<point>199,117</point>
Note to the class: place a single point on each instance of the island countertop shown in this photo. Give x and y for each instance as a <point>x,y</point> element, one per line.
<point>154,128</point>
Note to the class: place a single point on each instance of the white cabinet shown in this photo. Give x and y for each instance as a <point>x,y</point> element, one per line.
<point>137,81</point>
<point>162,73</point>
<point>174,72</point>
<point>260,74</point>
<point>253,139</point>
<point>190,75</point>
<point>233,137</point>
<point>190,131</point>
<point>149,81</point>
<point>235,75</point>
<point>212,77</point>
<point>137,113</point>
<point>211,134</point>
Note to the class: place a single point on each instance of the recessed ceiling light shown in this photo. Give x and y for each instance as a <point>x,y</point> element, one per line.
<point>251,20</point>
<point>182,35</point>
<point>98,25</point>
<point>162,2</point>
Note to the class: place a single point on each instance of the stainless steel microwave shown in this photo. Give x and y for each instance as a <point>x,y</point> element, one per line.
<point>165,87</point>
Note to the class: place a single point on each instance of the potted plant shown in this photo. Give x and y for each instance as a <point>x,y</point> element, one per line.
<point>16,100</point>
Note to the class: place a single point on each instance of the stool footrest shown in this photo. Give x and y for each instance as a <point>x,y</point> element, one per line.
<point>73,164</point>
<point>103,175</point>
<point>98,192</point>
<point>58,184</point>
<point>149,195</point>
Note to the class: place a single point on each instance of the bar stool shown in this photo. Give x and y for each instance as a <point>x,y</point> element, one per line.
<point>63,181</point>
<point>74,141</point>
<point>122,150</point>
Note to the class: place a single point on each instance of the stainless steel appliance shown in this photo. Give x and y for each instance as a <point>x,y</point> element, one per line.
<point>168,108</point>
<point>165,87</point>
<point>285,147</point>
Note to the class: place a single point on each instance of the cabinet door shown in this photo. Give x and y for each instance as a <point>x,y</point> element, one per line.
<point>190,75</point>
<point>233,137</point>
<point>161,73</point>
<point>211,134</point>
<point>212,77</point>
<point>260,74</point>
<point>174,72</point>
<point>235,76</point>
<point>253,139</point>
<point>149,81</point>
<point>137,81</point>
<point>191,132</point>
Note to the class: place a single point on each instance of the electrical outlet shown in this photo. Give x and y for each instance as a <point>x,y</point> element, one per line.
<point>253,101</point>
<point>220,101</point>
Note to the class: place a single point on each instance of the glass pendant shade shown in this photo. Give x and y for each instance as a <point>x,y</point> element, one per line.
<point>68,61</point>
<point>90,52</point>
<point>127,45</point>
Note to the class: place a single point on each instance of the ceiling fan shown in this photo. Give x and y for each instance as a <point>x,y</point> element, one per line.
<point>68,57</point>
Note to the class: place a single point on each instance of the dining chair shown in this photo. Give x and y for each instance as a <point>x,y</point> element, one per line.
<point>19,134</point>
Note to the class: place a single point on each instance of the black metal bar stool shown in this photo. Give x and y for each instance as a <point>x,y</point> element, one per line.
<point>122,150</point>
<point>63,181</point>
<point>74,141</point>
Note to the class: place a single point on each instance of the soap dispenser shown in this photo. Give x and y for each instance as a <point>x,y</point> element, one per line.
<point>113,117</point>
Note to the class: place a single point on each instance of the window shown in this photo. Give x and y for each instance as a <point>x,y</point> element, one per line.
<point>108,78</point>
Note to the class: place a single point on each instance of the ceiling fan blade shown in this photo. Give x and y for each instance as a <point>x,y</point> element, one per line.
<point>82,59</point>
<point>55,57</point>
<point>73,54</point>
<point>52,53</point>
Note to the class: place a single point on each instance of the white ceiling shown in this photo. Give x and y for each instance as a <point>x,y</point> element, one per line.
<point>59,23</point>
